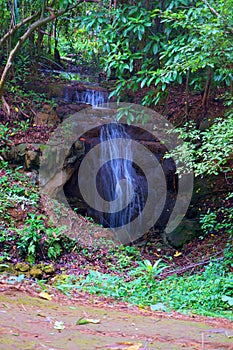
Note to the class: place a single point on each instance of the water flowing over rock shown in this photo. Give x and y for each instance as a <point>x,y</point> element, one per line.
<point>118,182</point>
<point>121,182</point>
<point>81,93</point>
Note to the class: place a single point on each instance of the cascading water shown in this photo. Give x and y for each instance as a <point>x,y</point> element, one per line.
<point>117,180</point>
<point>93,95</point>
<point>96,98</point>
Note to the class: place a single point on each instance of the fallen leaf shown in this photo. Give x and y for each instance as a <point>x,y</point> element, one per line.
<point>59,325</point>
<point>158,255</point>
<point>124,345</point>
<point>134,347</point>
<point>82,321</point>
<point>177,254</point>
<point>45,296</point>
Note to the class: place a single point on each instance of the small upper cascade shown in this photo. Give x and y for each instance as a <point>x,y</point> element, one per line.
<point>96,98</point>
<point>93,95</point>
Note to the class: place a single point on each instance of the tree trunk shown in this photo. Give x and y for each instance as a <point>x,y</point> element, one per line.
<point>40,22</point>
<point>18,46</point>
<point>187,95</point>
<point>207,90</point>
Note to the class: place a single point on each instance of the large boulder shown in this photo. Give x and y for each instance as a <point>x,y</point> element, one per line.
<point>185,232</point>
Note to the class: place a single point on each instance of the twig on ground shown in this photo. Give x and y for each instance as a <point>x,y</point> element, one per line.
<point>188,267</point>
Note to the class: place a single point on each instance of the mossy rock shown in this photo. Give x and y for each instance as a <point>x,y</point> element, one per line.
<point>5,267</point>
<point>22,267</point>
<point>36,271</point>
<point>185,232</point>
<point>60,279</point>
<point>49,269</point>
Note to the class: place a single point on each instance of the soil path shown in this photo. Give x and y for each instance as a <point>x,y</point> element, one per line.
<point>28,322</point>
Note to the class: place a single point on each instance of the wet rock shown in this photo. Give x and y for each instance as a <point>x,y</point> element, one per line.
<point>55,90</point>
<point>32,159</point>
<point>64,111</point>
<point>85,93</point>
<point>14,154</point>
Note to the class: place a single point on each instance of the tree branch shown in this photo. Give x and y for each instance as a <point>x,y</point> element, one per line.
<point>40,22</point>
<point>217,14</point>
<point>191,266</point>
<point>16,27</point>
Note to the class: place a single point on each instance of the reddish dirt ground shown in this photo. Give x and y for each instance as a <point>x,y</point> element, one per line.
<point>29,322</point>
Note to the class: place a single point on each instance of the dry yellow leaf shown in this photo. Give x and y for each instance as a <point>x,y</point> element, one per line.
<point>177,254</point>
<point>125,345</point>
<point>45,296</point>
<point>134,347</point>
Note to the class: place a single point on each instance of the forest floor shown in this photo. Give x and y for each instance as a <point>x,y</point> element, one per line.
<point>29,322</point>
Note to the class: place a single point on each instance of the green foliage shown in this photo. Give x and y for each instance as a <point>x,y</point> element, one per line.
<point>165,44</point>
<point>122,258</point>
<point>218,221</point>
<point>36,239</point>
<point>30,237</point>
<point>150,270</point>
<point>209,151</point>
<point>82,45</point>
<point>228,254</point>
<point>13,192</point>
<point>208,294</point>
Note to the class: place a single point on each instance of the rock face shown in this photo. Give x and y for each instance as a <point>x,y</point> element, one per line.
<point>87,94</point>
<point>186,231</point>
<point>26,154</point>
<point>64,180</point>
<point>65,109</point>
<point>74,92</point>
<point>47,117</point>
<point>67,158</point>
<point>92,138</point>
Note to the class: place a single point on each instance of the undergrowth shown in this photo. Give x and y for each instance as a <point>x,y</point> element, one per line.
<point>36,239</point>
<point>209,293</point>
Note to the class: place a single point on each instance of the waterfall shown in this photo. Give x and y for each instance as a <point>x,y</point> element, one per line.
<point>96,98</point>
<point>83,94</point>
<point>117,181</point>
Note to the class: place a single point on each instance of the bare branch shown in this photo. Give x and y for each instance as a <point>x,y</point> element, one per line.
<point>191,266</point>
<point>6,107</point>
<point>16,27</point>
<point>39,23</point>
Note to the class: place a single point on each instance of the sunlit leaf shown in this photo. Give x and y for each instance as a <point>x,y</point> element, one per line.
<point>82,321</point>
